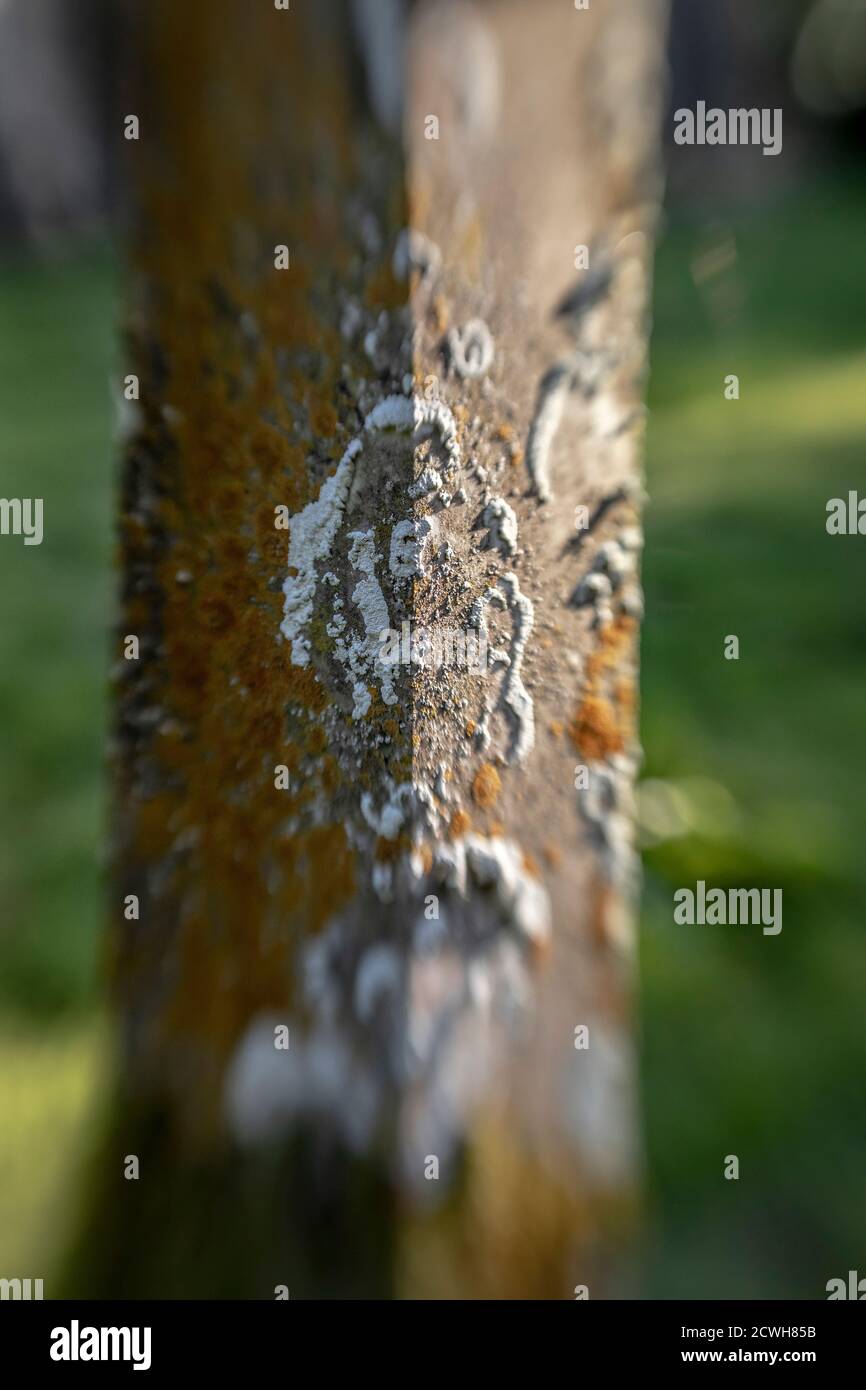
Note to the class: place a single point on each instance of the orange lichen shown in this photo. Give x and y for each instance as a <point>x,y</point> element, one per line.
<point>441,314</point>
<point>486,786</point>
<point>239,364</point>
<point>615,641</point>
<point>387,851</point>
<point>471,248</point>
<point>317,739</point>
<point>603,901</point>
<point>594,731</point>
<point>460,824</point>
<point>625,699</point>
<point>323,419</point>
<point>384,290</point>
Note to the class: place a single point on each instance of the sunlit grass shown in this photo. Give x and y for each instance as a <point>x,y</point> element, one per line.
<point>755,1045</point>
<point>51,1087</point>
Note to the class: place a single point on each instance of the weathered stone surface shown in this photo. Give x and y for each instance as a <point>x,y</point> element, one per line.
<point>396,860</point>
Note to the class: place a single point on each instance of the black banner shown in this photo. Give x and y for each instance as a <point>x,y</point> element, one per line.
<point>159,1338</point>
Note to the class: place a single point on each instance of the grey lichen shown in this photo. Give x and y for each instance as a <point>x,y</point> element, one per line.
<point>435,1005</point>
<point>501,522</point>
<point>552,395</point>
<point>470,349</point>
<point>415,251</point>
<point>513,694</point>
<point>611,581</point>
<point>607,803</point>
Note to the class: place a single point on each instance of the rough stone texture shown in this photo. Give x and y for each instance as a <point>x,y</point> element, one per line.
<point>393,860</point>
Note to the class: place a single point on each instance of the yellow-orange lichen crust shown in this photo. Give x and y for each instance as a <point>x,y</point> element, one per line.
<point>604,721</point>
<point>249,139</point>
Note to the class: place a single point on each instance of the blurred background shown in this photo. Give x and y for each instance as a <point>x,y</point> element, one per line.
<point>751,1045</point>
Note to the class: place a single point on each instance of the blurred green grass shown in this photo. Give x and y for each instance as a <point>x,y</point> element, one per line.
<point>57,351</point>
<point>756,1045</point>
<point>751,1045</point>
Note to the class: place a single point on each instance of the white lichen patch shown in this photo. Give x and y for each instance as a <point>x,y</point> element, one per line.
<point>429,481</point>
<point>608,804</point>
<point>434,417</point>
<point>351,319</point>
<point>372,338</point>
<point>363,656</point>
<point>405,1028</point>
<point>390,818</point>
<point>498,863</point>
<point>501,522</point>
<point>311,535</point>
<point>413,251</point>
<point>268,1090</point>
<point>552,395</point>
<point>470,349</point>
<point>513,694</point>
<point>420,416</point>
<point>367,593</point>
<point>378,980</point>
<point>611,582</point>
<point>595,1103</point>
<point>380,28</point>
<point>391,413</point>
<point>407,546</point>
